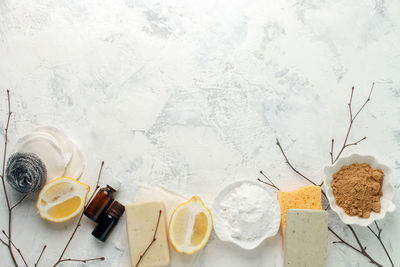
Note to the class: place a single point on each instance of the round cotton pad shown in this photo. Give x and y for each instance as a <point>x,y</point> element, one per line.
<point>46,148</point>
<point>77,163</point>
<point>62,140</point>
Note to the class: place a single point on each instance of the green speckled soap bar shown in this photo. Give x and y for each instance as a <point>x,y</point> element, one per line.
<point>306,238</point>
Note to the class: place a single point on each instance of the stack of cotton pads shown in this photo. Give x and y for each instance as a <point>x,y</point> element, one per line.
<point>41,156</point>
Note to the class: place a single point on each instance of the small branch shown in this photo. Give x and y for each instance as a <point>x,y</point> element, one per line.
<point>352,119</point>
<point>377,227</point>
<point>299,173</point>
<point>5,149</point>
<point>152,241</point>
<point>378,236</point>
<point>290,165</point>
<point>270,183</point>
<point>40,256</point>
<point>84,260</point>
<point>97,184</point>
<point>19,202</point>
<point>356,143</point>
<point>349,104</point>
<point>60,259</point>
<point>18,250</point>
<point>366,101</point>
<point>70,239</point>
<point>342,240</point>
<point>4,242</point>
<point>362,249</point>
<point>4,182</point>
<point>264,182</point>
<point>356,237</point>
<point>331,153</point>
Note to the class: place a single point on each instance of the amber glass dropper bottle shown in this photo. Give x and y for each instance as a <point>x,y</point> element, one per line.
<point>101,201</point>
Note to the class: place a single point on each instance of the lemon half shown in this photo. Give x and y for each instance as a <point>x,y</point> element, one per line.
<point>190,226</point>
<point>62,199</point>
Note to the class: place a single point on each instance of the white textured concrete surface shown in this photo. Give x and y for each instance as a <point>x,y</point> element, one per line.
<point>190,95</point>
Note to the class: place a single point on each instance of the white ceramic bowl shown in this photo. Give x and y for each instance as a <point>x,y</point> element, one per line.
<point>219,223</point>
<point>387,204</point>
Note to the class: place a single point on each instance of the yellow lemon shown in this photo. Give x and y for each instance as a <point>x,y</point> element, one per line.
<point>62,199</point>
<point>190,226</point>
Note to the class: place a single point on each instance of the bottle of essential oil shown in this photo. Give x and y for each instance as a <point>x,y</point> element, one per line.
<point>108,220</point>
<point>101,202</point>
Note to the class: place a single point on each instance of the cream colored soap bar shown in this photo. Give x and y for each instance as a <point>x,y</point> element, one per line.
<point>141,221</point>
<point>171,201</point>
<point>306,238</point>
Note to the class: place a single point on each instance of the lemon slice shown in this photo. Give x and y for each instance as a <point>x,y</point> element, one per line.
<point>190,226</point>
<point>62,199</point>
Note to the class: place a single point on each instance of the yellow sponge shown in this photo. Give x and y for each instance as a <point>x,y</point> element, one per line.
<point>308,197</point>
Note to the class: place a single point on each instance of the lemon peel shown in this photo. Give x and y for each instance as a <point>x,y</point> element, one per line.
<point>190,226</point>
<point>62,199</point>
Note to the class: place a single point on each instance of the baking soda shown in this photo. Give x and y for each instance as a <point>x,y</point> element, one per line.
<point>248,212</point>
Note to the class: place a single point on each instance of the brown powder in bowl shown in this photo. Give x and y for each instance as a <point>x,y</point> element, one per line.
<point>357,189</point>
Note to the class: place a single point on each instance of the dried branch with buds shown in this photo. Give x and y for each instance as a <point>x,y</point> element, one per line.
<point>378,236</point>
<point>299,173</point>
<point>351,121</point>
<point>9,243</point>
<point>270,183</point>
<point>40,256</point>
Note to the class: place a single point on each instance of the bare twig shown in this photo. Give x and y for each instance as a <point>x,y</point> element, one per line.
<point>298,172</point>
<point>264,182</point>
<point>19,202</point>
<point>352,119</point>
<point>378,228</point>
<point>362,250</point>
<point>40,256</point>
<point>331,153</point>
<point>349,104</point>
<point>152,241</point>
<point>97,185</point>
<point>270,183</point>
<point>342,241</point>
<point>18,250</point>
<point>85,260</point>
<point>10,208</point>
<point>290,165</point>
<point>60,259</point>
<point>356,143</point>
<point>378,236</point>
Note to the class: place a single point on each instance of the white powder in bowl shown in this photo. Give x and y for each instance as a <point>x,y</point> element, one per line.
<point>248,212</point>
